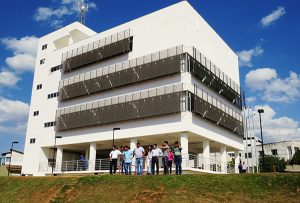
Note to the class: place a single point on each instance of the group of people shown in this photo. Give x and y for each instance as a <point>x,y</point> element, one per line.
<point>124,156</point>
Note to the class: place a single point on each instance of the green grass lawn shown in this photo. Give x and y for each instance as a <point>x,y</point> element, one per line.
<point>3,171</point>
<point>185,188</point>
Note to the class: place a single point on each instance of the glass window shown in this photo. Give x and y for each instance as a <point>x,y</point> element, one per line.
<point>39,86</point>
<point>44,47</point>
<point>274,152</point>
<point>249,155</point>
<point>32,140</point>
<point>42,61</point>
<point>36,113</point>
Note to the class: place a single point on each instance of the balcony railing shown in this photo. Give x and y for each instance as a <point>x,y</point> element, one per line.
<point>189,162</point>
<point>152,66</point>
<point>99,50</point>
<point>212,77</point>
<point>149,103</point>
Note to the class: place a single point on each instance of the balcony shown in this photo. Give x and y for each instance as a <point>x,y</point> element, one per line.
<point>97,51</point>
<point>154,102</point>
<point>155,65</point>
<point>212,77</point>
<point>141,69</point>
<point>215,111</point>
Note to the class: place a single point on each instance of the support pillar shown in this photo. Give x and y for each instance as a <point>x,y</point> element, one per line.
<point>133,143</point>
<point>87,154</point>
<point>92,157</point>
<point>58,162</point>
<point>184,142</point>
<point>206,153</point>
<point>237,161</point>
<point>223,159</point>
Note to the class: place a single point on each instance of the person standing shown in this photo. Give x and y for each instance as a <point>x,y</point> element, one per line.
<point>240,167</point>
<point>113,156</point>
<point>178,158</point>
<point>122,163</point>
<point>149,160</point>
<point>127,155</point>
<point>166,150</point>
<point>139,153</point>
<point>156,153</point>
<point>170,160</point>
<point>83,163</point>
<point>244,167</point>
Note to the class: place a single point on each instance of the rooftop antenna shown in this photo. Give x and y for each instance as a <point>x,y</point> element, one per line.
<point>83,8</point>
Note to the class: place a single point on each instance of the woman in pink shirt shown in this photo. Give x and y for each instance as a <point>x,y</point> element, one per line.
<point>170,160</point>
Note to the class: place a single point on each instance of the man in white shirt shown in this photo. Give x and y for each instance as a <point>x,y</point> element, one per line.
<point>156,153</point>
<point>113,156</point>
<point>139,153</point>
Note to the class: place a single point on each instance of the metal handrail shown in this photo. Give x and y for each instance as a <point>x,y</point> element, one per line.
<point>123,65</point>
<point>177,87</point>
<point>97,44</point>
<point>191,161</point>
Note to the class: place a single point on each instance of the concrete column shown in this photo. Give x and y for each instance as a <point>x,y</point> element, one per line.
<point>223,159</point>
<point>184,142</point>
<point>87,154</point>
<point>237,161</point>
<point>133,142</point>
<point>92,157</point>
<point>59,155</point>
<point>206,153</point>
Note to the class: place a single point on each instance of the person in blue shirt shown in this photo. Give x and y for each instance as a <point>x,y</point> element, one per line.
<point>127,155</point>
<point>83,163</point>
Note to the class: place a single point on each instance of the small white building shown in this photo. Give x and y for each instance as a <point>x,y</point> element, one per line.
<point>253,150</point>
<point>164,76</point>
<point>13,160</point>
<point>281,149</point>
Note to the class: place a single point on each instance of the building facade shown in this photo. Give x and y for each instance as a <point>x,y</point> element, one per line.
<point>253,151</point>
<point>163,76</point>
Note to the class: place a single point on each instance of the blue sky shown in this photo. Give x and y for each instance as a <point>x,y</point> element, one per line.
<point>265,35</point>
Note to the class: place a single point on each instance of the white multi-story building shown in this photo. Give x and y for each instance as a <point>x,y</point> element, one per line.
<point>163,76</point>
<point>250,154</point>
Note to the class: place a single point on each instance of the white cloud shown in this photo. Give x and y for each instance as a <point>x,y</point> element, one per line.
<point>246,56</point>
<point>13,116</point>
<point>276,128</point>
<point>258,79</point>
<point>8,79</point>
<point>273,88</point>
<point>44,13</point>
<point>21,62</point>
<point>27,44</point>
<point>274,16</point>
<point>250,99</point>
<point>24,52</point>
<point>54,16</point>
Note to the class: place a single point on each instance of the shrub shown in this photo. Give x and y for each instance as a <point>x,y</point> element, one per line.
<point>296,158</point>
<point>272,163</point>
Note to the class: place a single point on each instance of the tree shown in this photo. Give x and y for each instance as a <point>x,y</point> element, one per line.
<point>272,163</point>
<point>296,158</point>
